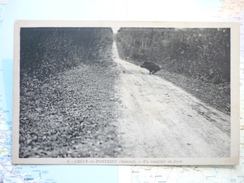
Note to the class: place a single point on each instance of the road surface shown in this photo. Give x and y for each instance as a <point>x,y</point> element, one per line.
<point>160,120</point>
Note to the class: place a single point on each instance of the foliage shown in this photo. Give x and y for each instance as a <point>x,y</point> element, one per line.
<point>46,51</point>
<point>67,97</point>
<point>202,53</point>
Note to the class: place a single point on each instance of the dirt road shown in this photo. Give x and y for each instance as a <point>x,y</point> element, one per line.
<point>160,120</point>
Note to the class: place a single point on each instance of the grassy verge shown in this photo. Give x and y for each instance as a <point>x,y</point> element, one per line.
<point>215,95</point>
<point>71,115</point>
<point>67,97</point>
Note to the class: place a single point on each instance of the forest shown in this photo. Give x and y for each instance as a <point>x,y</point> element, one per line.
<point>196,59</point>
<point>47,51</point>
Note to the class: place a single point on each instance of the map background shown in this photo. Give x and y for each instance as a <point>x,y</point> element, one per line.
<point>154,10</point>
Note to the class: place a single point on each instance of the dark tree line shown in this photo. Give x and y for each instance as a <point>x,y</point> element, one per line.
<point>199,53</point>
<point>46,51</point>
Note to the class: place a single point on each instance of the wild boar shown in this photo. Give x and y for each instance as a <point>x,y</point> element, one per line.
<point>152,67</point>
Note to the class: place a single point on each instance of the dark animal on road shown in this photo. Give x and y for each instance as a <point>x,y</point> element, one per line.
<point>152,67</point>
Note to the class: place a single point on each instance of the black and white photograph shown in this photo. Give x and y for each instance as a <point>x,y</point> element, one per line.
<point>129,94</point>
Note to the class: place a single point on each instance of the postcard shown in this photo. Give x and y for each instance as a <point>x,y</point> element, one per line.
<point>126,93</point>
